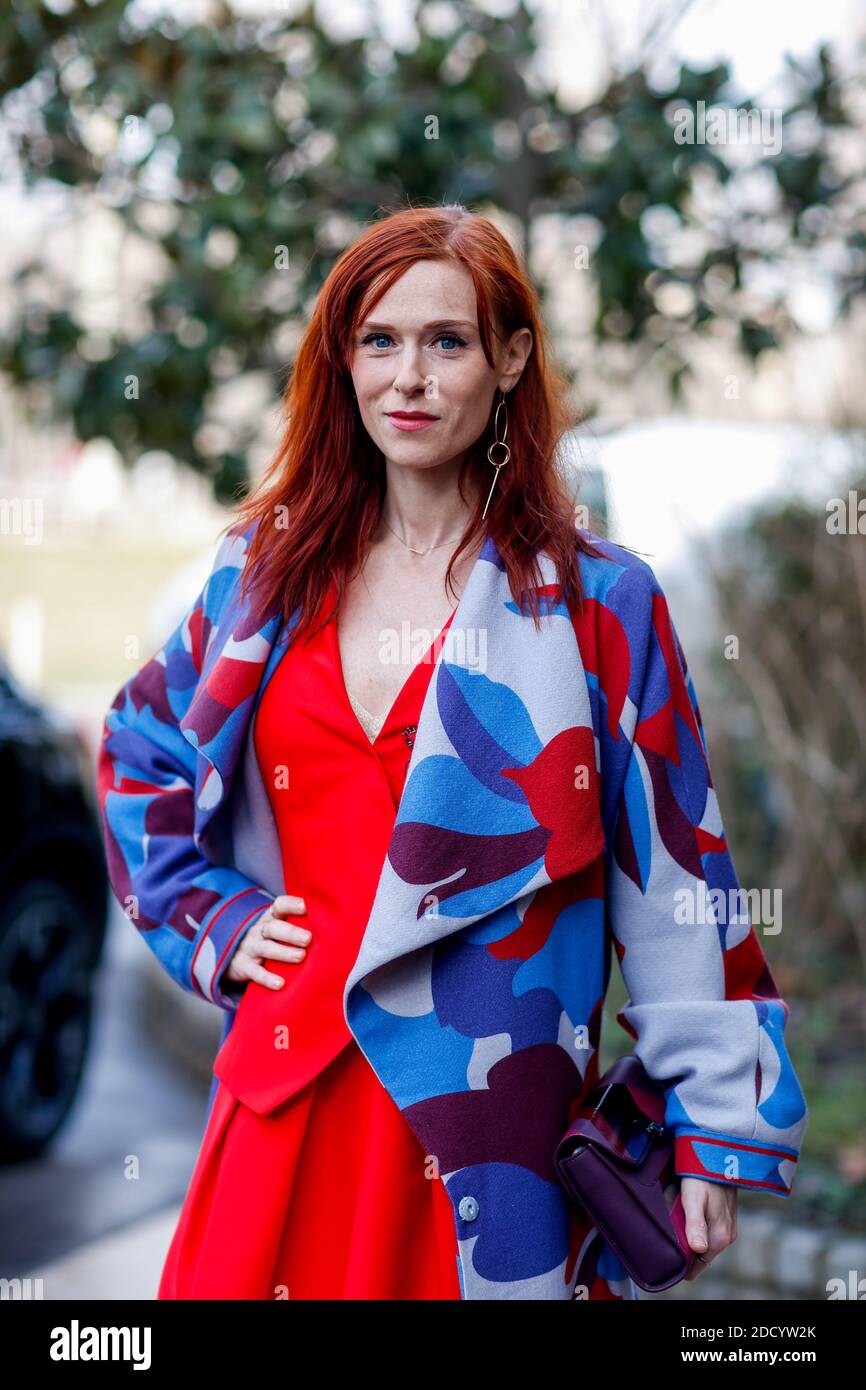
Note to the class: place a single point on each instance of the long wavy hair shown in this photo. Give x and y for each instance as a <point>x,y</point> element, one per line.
<point>320,499</point>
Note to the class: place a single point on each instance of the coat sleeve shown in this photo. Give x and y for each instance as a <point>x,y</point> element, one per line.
<point>190,911</point>
<point>704,1009</point>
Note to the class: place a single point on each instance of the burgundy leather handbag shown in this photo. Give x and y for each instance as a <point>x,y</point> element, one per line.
<point>616,1160</point>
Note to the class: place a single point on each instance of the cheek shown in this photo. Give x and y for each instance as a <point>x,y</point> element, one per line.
<point>372,382</point>
<point>470,411</point>
<point>360,380</point>
<point>366,395</point>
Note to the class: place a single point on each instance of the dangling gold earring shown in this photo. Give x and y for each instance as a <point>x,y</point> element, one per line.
<point>502,445</point>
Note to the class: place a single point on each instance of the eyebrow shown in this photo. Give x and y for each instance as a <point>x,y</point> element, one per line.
<point>426,328</point>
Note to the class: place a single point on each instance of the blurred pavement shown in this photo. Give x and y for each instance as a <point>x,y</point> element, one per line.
<point>125,1265</point>
<point>94,1215</point>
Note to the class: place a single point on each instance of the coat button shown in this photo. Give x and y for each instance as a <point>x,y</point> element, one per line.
<point>467,1208</point>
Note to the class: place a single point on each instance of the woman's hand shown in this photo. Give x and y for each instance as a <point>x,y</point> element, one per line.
<point>270,938</point>
<point>711,1220</point>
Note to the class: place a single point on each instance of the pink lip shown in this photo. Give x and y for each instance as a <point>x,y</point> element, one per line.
<point>411,420</point>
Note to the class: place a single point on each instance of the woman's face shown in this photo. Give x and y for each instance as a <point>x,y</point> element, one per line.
<point>418,353</point>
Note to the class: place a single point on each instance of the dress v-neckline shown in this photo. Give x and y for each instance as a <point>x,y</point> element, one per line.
<point>371,724</point>
<point>354,704</point>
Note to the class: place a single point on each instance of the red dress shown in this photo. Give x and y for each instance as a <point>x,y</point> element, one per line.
<point>328,1194</point>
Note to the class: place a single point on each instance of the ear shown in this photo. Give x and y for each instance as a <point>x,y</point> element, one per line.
<point>516,358</point>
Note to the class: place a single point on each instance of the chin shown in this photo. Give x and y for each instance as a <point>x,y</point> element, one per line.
<point>413,448</point>
<point>410,459</point>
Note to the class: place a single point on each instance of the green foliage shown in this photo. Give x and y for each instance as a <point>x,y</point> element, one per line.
<point>249,135</point>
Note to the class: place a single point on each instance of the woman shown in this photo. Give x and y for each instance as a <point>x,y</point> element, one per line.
<point>420,752</point>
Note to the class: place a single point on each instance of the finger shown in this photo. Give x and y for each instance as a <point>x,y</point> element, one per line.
<point>274,950</point>
<point>285,903</point>
<point>262,976</point>
<point>720,1235</point>
<point>697,1233</point>
<point>287,931</point>
<point>696,1230</point>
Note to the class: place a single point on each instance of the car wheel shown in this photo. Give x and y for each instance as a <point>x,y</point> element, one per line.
<point>45,1011</point>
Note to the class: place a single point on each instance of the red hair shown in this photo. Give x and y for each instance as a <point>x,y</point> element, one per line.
<point>328,477</point>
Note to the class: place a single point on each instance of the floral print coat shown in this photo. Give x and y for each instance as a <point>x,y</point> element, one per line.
<point>558,803</point>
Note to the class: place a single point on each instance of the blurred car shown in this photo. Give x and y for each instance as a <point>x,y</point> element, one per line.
<point>53,917</point>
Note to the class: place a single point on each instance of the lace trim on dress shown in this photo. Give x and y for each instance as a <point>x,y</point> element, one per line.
<point>369,722</point>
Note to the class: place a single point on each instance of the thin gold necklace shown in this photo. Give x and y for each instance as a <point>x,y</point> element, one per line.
<point>437,546</point>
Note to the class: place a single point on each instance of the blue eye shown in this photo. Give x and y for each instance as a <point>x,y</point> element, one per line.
<point>447,337</point>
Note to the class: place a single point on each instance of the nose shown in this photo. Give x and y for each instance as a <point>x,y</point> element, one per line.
<point>410,376</point>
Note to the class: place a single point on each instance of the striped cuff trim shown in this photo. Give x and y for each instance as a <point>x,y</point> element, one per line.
<point>708,1155</point>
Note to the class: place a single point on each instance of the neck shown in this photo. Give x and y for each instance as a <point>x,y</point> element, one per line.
<point>423,506</point>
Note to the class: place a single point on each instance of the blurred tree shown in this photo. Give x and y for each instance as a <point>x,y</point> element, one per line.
<point>794,593</point>
<point>789,738</point>
<point>248,150</point>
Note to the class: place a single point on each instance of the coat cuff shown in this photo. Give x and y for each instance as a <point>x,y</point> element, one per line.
<point>218,941</point>
<point>723,1158</point>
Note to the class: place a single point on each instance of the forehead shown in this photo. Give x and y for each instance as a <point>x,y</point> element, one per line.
<point>428,289</point>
